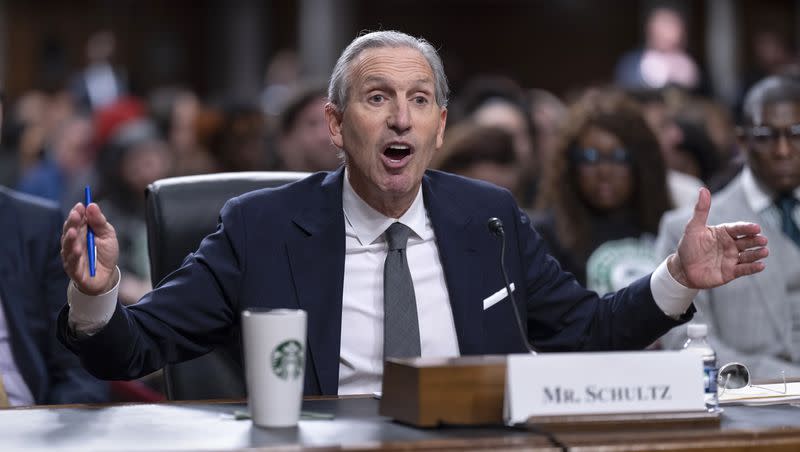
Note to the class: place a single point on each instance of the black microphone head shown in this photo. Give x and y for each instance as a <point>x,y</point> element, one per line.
<point>495,226</point>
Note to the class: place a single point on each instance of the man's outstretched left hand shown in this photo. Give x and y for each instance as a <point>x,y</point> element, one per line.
<point>710,256</point>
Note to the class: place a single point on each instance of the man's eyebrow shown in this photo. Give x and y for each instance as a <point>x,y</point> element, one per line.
<point>424,81</point>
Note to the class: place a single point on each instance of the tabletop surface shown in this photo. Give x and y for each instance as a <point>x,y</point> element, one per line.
<point>355,423</point>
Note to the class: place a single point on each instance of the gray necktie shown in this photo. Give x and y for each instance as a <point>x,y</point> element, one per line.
<point>400,323</point>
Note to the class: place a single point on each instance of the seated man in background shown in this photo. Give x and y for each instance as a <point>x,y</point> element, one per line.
<point>756,321</point>
<point>34,367</point>
<point>388,258</point>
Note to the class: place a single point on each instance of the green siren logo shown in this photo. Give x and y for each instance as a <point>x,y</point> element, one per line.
<point>288,360</point>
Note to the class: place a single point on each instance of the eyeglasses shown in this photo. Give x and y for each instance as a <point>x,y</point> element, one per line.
<point>765,138</point>
<point>737,376</point>
<point>591,156</point>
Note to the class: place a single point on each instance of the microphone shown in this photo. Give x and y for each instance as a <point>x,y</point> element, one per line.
<point>495,226</point>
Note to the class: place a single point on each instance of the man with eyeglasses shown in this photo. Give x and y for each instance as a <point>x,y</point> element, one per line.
<point>756,321</point>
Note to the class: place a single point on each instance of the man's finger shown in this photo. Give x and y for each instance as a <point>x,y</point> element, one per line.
<point>742,229</point>
<point>750,241</point>
<point>73,218</point>
<point>748,269</point>
<point>96,219</point>
<point>71,252</point>
<point>701,208</point>
<point>72,232</point>
<point>746,257</point>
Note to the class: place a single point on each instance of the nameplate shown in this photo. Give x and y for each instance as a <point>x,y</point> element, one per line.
<point>553,384</point>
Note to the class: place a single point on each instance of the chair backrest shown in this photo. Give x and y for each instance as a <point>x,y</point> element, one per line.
<point>180,212</point>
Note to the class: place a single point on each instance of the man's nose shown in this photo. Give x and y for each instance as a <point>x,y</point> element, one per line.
<point>400,118</point>
<point>783,147</point>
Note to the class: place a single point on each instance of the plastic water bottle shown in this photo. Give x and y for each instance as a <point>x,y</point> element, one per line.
<point>698,343</point>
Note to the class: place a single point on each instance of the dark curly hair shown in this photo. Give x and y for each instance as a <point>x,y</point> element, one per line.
<point>611,111</point>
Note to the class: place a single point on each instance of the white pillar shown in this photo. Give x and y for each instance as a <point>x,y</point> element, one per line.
<point>239,44</point>
<point>722,42</point>
<point>324,29</point>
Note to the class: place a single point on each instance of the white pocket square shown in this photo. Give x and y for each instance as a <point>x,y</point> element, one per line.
<point>494,298</point>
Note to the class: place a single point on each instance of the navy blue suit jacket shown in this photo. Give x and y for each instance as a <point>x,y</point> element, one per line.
<point>285,247</point>
<point>33,288</point>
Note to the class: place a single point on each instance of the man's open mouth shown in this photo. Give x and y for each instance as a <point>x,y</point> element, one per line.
<point>397,152</point>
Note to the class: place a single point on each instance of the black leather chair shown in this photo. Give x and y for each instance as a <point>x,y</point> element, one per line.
<point>180,212</point>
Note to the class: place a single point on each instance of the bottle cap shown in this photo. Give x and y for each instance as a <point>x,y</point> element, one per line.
<point>697,330</point>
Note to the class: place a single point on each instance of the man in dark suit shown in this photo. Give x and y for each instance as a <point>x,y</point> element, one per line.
<point>34,367</point>
<point>335,245</point>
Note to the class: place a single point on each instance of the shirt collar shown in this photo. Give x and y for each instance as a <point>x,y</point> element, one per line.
<point>369,224</point>
<point>759,197</point>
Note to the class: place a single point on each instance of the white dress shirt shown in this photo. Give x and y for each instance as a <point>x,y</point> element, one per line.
<point>361,350</point>
<point>361,356</point>
<point>17,390</point>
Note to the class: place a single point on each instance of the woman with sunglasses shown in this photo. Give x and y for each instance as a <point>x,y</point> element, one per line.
<point>604,193</point>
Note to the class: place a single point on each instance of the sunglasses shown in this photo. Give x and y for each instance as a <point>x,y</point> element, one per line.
<point>591,156</point>
<point>737,376</point>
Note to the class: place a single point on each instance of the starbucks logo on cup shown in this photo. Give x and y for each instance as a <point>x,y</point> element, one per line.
<point>288,360</point>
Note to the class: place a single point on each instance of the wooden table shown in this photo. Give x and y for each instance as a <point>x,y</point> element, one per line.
<point>212,425</point>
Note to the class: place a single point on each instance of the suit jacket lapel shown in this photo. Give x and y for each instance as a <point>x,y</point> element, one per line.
<point>316,256</point>
<point>455,233</point>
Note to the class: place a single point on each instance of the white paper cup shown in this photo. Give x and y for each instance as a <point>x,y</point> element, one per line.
<point>275,358</point>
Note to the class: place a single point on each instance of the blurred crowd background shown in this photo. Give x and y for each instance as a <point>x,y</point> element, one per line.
<point>599,116</point>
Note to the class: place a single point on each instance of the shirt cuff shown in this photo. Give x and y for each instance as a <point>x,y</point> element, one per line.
<point>671,296</point>
<point>88,314</point>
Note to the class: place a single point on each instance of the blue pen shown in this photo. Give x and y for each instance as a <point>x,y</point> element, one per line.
<point>89,234</point>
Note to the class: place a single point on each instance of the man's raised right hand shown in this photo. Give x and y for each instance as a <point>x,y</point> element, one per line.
<point>74,255</point>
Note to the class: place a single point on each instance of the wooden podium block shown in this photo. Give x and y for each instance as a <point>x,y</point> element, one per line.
<point>469,390</point>
<point>427,392</point>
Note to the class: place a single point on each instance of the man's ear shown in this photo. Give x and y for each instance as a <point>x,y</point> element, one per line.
<point>334,119</point>
<point>442,124</point>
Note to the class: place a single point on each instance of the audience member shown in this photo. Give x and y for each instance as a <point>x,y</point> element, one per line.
<point>66,166</point>
<point>756,321</point>
<point>682,186</point>
<point>695,154</point>
<point>239,140</point>
<point>36,119</point>
<point>303,142</point>
<point>664,60</point>
<point>481,152</point>
<point>176,111</point>
<point>499,101</point>
<point>717,123</point>
<point>604,193</point>
<point>99,84</point>
<point>772,54</point>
